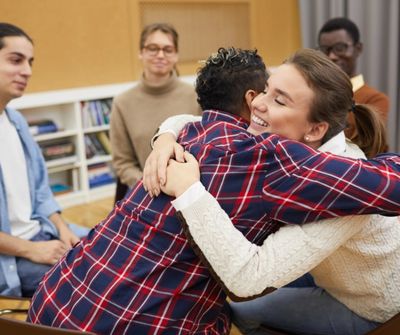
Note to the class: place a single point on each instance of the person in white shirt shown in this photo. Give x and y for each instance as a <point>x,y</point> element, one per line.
<point>355,261</point>
<point>33,234</point>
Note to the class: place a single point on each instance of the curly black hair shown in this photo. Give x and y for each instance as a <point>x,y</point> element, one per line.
<point>226,76</point>
<point>339,23</point>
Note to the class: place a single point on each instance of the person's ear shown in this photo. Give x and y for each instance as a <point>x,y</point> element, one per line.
<point>249,96</point>
<point>246,105</point>
<point>358,48</point>
<point>316,132</point>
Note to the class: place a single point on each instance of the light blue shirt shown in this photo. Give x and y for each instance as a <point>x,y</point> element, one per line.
<point>43,202</point>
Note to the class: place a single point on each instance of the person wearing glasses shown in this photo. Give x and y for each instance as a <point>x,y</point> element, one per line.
<point>339,39</point>
<point>137,112</point>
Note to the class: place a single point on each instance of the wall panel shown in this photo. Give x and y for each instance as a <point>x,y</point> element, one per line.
<point>93,42</point>
<point>77,43</point>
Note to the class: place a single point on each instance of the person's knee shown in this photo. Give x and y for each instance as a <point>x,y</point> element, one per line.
<point>241,317</point>
<point>30,275</point>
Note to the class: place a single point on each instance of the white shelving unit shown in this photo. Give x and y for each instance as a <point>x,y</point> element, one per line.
<point>64,108</point>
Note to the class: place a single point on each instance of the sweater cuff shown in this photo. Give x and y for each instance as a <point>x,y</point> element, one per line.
<point>159,133</point>
<point>190,196</point>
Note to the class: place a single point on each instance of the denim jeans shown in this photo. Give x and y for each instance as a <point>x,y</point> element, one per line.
<point>31,273</point>
<point>299,310</point>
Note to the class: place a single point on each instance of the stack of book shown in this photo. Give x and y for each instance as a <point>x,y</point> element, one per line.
<point>57,149</point>
<point>96,112</point>
<point>58,189</point>
<point>100,174</point>
<point>44,126</point>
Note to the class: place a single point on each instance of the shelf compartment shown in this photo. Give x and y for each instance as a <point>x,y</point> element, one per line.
<point>61,164</point>
<point>58,134</point>
<point>96,129</point>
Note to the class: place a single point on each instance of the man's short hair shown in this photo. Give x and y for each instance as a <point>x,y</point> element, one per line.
<point>8,29</point>
<point>226,76</point>
<point>341,23</point>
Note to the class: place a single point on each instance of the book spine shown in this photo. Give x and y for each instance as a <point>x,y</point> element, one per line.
<point>43,129</point>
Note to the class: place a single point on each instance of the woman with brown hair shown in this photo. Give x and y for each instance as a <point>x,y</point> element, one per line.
<point>137,112</point>
<point>355,261</point>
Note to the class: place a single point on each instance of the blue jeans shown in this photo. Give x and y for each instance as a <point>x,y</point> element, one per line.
<point>298,310</point>
<point>31,273</point>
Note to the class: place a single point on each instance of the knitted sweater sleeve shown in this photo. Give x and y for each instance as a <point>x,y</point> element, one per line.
<point>174,125</point>
<point>247,270</point>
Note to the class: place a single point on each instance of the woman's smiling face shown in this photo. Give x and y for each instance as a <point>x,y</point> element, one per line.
<point>284,107</point>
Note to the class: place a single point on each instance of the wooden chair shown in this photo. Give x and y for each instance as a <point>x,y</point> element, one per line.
<point>13,305</point>
<point>15,309</point>
<point>390,327</point>
<point>17,327</point>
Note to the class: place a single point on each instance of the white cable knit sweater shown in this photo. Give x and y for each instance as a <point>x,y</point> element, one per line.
<point>356,259</point>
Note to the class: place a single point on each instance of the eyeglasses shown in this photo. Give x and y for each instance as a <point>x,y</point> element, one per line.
<point>339,49</point>
<point>154,49</point>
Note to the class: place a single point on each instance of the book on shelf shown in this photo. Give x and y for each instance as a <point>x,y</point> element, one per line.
<point>103,138</point>
<point>97,144</point>
<point>96,112</point>
<point>57,149</point>
<point>100,174</point>
<point>44,126</point>
<point>58,189</point>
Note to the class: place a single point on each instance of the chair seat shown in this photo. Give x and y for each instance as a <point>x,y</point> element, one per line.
<point>15,306</point>
<point>390,327</point>
<point>17,327</point>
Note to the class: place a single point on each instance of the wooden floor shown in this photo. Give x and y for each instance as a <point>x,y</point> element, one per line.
<point>87,215</point>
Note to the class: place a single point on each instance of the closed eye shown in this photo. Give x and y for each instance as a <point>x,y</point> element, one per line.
<point>16,60</point>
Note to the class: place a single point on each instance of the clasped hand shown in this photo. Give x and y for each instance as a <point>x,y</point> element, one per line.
<point>169,168</point>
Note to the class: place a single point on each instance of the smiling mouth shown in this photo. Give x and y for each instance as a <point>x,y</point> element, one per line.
<point>259,121</point>
<point>20,84</point>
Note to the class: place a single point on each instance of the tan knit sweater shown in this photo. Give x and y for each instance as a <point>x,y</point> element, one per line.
<point>135,117</point>
<point>356,259</point>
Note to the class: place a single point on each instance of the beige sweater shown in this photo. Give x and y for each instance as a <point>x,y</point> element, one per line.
<point>135,117</point>
<point>356,259</point>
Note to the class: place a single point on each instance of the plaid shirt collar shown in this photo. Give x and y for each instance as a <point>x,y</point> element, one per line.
<point>211,115</point>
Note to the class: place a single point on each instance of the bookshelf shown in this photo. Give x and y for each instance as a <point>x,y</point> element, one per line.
<point>76,178</point>
<point>70,174</point>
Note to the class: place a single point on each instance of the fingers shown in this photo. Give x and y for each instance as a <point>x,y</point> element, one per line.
<point>189,158</point>
<point>52,251</point>
<point>150,173</point>
<point>161,174</point>
<point>61,248</point>
<point>71,242</point>
<point>179,153</point>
